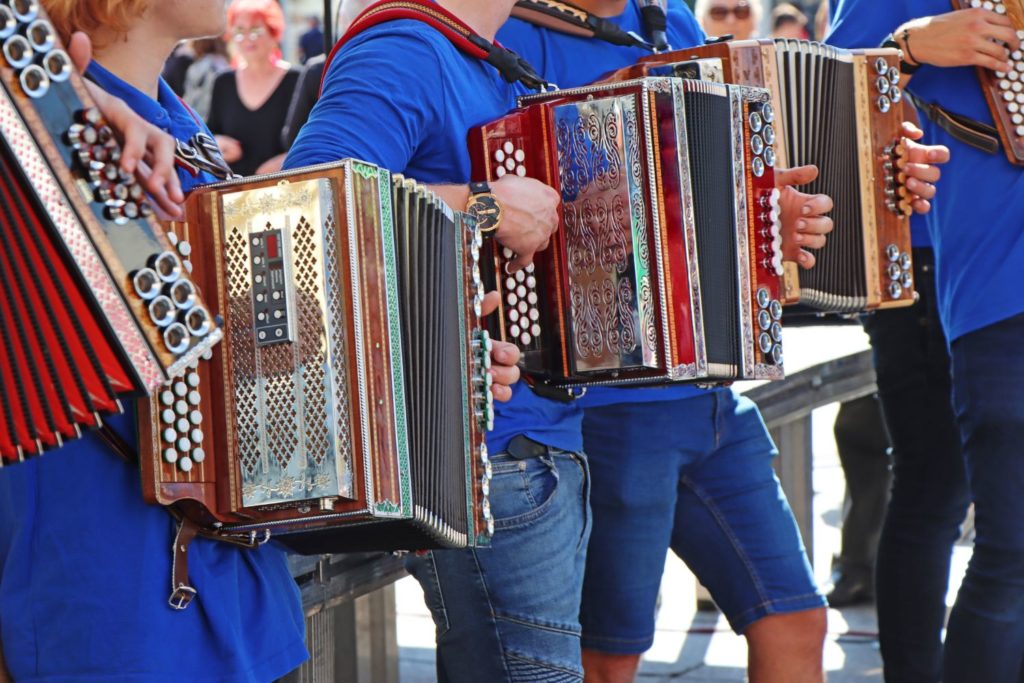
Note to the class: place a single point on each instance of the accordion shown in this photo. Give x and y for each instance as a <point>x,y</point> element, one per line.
<point>1005,91</point>
<point>97,303</point>
<point>347,406</point>
<point>666,265</point>
<point>838,110</point>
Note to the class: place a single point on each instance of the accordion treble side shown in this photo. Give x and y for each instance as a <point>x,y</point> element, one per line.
<point>96,302</point>
<point>341,412</point>
<point>668,249</point>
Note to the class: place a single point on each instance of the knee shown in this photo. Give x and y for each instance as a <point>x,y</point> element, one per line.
<point>802,631</point>
<point>604,667</point>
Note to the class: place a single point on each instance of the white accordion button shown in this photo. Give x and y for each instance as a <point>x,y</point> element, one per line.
<point>509,147</point>
<point>181,407</point>
<point>193,397</point>
<point>535,329</point>
<point>199,455</point>
<point>184,445</point>
<point>180,389</point>
<point>197,435</point>
<point>500,172</point>
<point>185,464</point>
<point>195,417</point>
<point>507,253</point>
<point>520,156</point>
<point>170,455</point>
<point>510,283</point>
<point>513,315</point>
<point>526,338</point>
<point>167,397</point>
<point>532,298</point>
<point>167,415</point>
<point>499,156</point>
<point>777,264</point>
<point>514,330</point>
<point>170,436</point>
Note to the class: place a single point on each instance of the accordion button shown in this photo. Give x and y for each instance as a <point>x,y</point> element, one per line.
<point>892,252</point>
<point>185,464</point>
<point>881,66</point>
<point>763,297</point>
<point>531,298</point>
<point>523,307</point>
<point>514,330</point>
<point>500,172</point>
<point>756,144</point>
<point>777,332</point>
<point>197,434</point>
<point>534,315</point>
<point>182,425</point>
<point>526,338</point>
<point>769,156</point>
<point>884,104</point>
<point>894,75</point>
<point>180,390</point>
<point>167,415</point>
<point>905,261</point>
<point>509,147</point>
<point>757,167</point>
<point>485,487</point>
<point>895,271</point>
<point>1008,96</point>
<point>535,329</point>
<point>1019,130</point>
<point>531,282</point>
<point>907,280</point>
<point>769,135</point>
<point>170,436</point>
<point>882,84</point>
<point>512,299</point>
<point>777,355</point>
<point>194,398</point>
<point>768,113</point>
<point>520,156</point>
<point>1016,55</point>
<point>1017,119</point>
<point>181,407</point>
<point>521,291</point>
<point>895,290</point>
<point>530,267</point>
<point>167,397</point>
<point>513,315</point>
<point>510,164</point>
<point>198,455</point>
<point>520,276</point>
<point>507,253</point>
<point>764,320</point>
<point>756,122</point>
<point>510,283</point>
<point>764,342</point>
<point>184,445</point>
<point>170,455</point>
<point>521,171</point>
<point>775,308</point>
<point>499,156</point>
<point>195,417</point>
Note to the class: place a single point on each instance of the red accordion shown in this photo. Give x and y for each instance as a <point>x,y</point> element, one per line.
<point>667,263</point>
<point>96,303</point>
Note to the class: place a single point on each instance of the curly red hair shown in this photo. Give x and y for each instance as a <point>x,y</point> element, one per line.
<point>69,16</point>
<point>267,11</point>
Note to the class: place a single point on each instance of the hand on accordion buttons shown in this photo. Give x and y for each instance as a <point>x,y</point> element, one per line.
<point>529,211</point>
<point>920,164</point>
<point>146,151</point>
<point>970,37</point>
<point>504,357</point>
<point>804,223</point>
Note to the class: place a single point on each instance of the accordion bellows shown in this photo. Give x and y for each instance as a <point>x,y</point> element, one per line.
<point>351,386</point>
<point>667,263</point>
<point>95,302</point>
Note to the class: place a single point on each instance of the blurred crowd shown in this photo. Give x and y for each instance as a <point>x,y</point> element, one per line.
<point>241,85</point>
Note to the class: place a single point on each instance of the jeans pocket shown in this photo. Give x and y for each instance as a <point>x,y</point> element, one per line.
<point>522,490</point>
<point>424,569</point>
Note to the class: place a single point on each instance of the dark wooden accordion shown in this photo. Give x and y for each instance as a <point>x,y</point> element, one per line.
<point>1005,91</point>
<point>95,301</point>
<point>347,406</point>
<point>667,263</point>
<point>838,111</point>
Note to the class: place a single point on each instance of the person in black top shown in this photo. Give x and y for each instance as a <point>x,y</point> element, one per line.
<point>306,94</point>
<point>250,102</point>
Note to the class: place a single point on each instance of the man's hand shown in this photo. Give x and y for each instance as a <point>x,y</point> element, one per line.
<point>230,148</point>
<point>804,223</point>
<point>920,163</point>
<point>504,356</point>
<point>146,151</point>
<point>529,211</point>
<point>969,37</point>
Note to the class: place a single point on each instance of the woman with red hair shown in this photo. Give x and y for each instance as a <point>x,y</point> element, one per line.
<point>252,101</point>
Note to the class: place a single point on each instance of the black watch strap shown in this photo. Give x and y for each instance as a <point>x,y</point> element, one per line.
<point>479,188</point>
<point>905,67</point>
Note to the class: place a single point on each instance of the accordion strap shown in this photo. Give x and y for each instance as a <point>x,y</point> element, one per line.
<point>566,17</point>
<point>979,135</point>
<point>512,67</point>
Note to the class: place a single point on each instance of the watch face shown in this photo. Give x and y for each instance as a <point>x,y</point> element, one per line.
<point>485,209</point>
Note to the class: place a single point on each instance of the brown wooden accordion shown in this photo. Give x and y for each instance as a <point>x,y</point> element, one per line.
<point>667,263</point>
<point>95,303</point>
<point>347,406</point>
<point>1005,91</point>
<point>837,111</point>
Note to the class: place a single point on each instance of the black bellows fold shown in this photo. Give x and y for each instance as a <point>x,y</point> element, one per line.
<point>709,139</point>
<point>820,117</point>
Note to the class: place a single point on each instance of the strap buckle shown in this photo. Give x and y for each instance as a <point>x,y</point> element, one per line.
<point>181,597</point>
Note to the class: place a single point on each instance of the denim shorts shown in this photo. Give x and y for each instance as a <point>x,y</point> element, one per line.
<point>510,612</point>
<point>694,475</point>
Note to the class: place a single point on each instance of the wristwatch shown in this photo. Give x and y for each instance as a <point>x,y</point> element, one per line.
<point>484,206</point>
<point>890,41</point>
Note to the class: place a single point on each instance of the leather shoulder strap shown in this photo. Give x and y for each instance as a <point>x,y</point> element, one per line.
<point>512,67</point>
<point>565,17</point>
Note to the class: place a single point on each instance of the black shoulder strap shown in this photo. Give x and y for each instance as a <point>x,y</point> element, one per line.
<point>979,135</point>
<point>565,17</point>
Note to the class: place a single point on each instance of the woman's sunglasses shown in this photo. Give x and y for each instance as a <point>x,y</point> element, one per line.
<point>252,35</point>
<point>719,13</point>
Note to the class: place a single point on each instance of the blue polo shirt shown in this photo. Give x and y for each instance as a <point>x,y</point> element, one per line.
<point>85,564</point>
<point>401,96</point>
<point>571,61</point>
<point>977,218</point>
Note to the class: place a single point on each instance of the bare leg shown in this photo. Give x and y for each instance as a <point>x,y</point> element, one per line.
<point>601,667</point>
<point>787,648</point>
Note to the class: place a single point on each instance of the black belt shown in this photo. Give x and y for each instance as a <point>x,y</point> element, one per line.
<point>978,135</point>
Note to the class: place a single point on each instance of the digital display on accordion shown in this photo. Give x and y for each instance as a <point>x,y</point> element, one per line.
<point>96,301</point>
<point>1004,92</point>
<point>839,110</point>
<point>346,408</point>
<point>666,266</point>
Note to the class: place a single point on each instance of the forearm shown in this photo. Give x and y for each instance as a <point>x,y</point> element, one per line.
<point>455,196</point>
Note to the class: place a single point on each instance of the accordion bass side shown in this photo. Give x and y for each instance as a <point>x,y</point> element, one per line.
<point>1003,91</point>
<point>838,111</point>
<point>667,260</point>
<point>346,408</point>
<point>97,304</point>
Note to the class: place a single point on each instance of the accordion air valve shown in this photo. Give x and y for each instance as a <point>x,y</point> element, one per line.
<point>666,266</point>
<point>351,394</point>
<point>97,301</point>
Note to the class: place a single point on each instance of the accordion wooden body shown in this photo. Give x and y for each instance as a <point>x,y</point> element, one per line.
<point>666,266</point>
<point>346,408</point>
<point>95,301</point>
<point>1005,91</point>
<point>838,110</point>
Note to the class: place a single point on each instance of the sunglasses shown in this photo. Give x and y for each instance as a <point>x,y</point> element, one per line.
<point>252,35</point>
<point>719,13</point>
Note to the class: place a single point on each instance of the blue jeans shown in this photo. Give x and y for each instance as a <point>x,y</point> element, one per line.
<point>929,492</point>
<point>694,475</point>
<point>985,637</point>
<point>510,612</point>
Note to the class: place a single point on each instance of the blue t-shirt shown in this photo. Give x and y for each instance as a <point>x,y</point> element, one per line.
<point>977,217</point>
<point>85,564</point>
<point>401,96</point>
<point>571,61</point>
